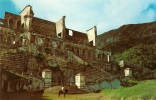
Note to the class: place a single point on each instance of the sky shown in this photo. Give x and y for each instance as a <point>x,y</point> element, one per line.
<point>82,15</point>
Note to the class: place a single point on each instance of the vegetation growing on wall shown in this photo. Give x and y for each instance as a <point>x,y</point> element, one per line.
<point>142,55</point>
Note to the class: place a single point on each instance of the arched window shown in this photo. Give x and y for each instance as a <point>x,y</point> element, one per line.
<point>9,39</point>
<point>10,22</point>
<point>59,46</point>
<point>98,56</point>
<point>94,55</point>
<point>83,53</point>
<point>18,24</point>
<point>59,35</point>
<point>72,49</point>
<point>89,54</point>
<point>40,41</point>
<point>23,26</point>
<point>54,44</point>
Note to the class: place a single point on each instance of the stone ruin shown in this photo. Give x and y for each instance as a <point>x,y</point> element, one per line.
<point>30,45</point>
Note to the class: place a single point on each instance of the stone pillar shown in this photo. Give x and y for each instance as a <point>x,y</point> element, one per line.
<point>75,51</point>
<point>86,53</point>
<point>79,52</point>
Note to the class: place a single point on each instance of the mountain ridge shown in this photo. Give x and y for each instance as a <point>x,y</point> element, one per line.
<point>126,41</point>
<point>148,29</point>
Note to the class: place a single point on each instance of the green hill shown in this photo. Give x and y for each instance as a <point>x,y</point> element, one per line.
<point>134,43</point>
<point>142,55</point>
<point>143,90</point>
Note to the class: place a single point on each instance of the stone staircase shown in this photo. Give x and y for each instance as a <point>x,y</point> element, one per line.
<point>15,62</point>
<point>90,70</point>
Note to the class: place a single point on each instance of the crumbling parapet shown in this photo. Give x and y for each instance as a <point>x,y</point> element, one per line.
<point>60,27</point>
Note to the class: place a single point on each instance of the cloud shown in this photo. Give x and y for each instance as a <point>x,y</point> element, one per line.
<point>122,12</point>
<point>150,11</point>
<point>81,15</point>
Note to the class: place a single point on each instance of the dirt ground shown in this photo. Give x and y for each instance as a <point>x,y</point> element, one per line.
<point>71,90</point>
<point>52,94</point>
<point>47,96</point>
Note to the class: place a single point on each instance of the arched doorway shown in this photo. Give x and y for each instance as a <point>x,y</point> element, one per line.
<point>10,22</point>
<point>47,75</point>
<point>18,24</point>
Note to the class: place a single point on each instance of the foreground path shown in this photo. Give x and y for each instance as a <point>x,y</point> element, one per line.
<point>44,96</point>
<point>88,96</point>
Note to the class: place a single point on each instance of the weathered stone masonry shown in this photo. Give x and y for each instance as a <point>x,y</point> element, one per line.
<point>52,46</point>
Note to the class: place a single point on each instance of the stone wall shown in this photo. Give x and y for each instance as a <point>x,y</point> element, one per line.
<point>12,20</point>
<point>43,27</point>
<point>76,37</point>
<point>106,84</point>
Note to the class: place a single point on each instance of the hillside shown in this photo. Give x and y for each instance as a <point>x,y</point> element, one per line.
<point>135,42</point>
<point>127,36</point>
<point>142,55</point>
<point>143,90</point>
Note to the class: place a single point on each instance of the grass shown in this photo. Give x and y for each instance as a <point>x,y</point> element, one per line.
<point>143,90</point>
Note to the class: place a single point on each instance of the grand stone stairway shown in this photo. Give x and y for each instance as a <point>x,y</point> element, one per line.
<point>69,63</point>
<point>13,68</point>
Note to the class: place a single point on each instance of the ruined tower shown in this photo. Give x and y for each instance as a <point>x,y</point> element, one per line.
<point>26,20</point>
<point>60,27</point>
<point>92,34</point>
<point>26,17</point>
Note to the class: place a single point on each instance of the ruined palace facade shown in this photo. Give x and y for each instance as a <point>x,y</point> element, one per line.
<point>30,45</point>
